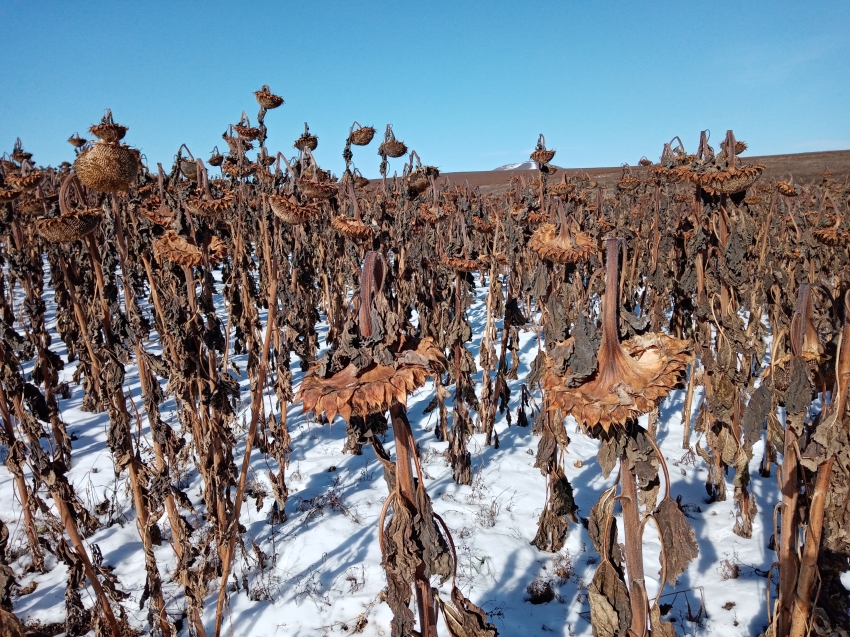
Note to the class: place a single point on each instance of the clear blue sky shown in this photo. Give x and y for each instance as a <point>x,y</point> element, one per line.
<point>469,85</point>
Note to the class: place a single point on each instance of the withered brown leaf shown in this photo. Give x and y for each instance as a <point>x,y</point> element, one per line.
<point>660,628</point>
<point>610,611</point>
<point>465,619</point>
<point>680,545</point>
<point>599,514</point>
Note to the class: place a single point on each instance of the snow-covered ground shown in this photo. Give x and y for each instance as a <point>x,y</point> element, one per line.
<point>322,573</point>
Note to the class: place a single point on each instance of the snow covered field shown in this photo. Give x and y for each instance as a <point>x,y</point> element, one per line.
<point>319,572</point>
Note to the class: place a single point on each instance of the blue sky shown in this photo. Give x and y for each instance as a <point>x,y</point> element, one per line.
<point>469,85</point>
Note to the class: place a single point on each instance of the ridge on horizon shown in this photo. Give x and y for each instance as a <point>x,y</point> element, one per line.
<point>532,165</point>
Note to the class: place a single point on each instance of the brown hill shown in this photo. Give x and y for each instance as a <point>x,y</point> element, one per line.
<point>804,167</point>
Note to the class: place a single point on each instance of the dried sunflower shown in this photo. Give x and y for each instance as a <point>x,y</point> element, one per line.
<point>292,212</point>
<point>391,147</point>
<point>177,249</point>
<point>541,156</point>
<point>107,131</point>
<point>362,135</point>
<point>68,227</point>
<point>567,246</point>
<point>267,99</point>
<point>107,167</point>
<point>631,377</point>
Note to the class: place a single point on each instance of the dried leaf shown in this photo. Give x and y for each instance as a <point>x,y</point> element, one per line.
<point>680,545</point>
<point>465,619</point>
<point>609,453</point>
<point>554,520</point>
<point>660,628</point>
<point>610,610</point>
<point>757,411</point>
<point>599,515</point>
<point>798,396</point>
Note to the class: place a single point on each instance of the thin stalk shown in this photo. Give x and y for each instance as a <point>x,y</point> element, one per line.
<point>803,602</point>
<point>227,558</point>
<point>82,322</point>
<point>634,548</point>
<point>36,552</point>
<point>802,610</point>
<point>688,406</point>
<point>789,563</point>
<point>60,491</point>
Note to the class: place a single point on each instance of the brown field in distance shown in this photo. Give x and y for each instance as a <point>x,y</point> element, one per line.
<point>804,166</point>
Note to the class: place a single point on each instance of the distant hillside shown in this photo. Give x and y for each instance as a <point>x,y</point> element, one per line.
<point>804,167</point>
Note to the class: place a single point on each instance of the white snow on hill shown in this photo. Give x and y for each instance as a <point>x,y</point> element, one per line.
<point>526,165</point>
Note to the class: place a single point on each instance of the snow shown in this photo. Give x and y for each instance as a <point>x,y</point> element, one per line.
<point>526,165</point>
<point>323,572</point>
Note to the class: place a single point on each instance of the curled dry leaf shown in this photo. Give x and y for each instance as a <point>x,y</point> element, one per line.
<point>610,609</point>
<point>217,249</point>
<point>465,619</point>
<point>554,520</point>
<point>660,628</point>
<point>600,513</point>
